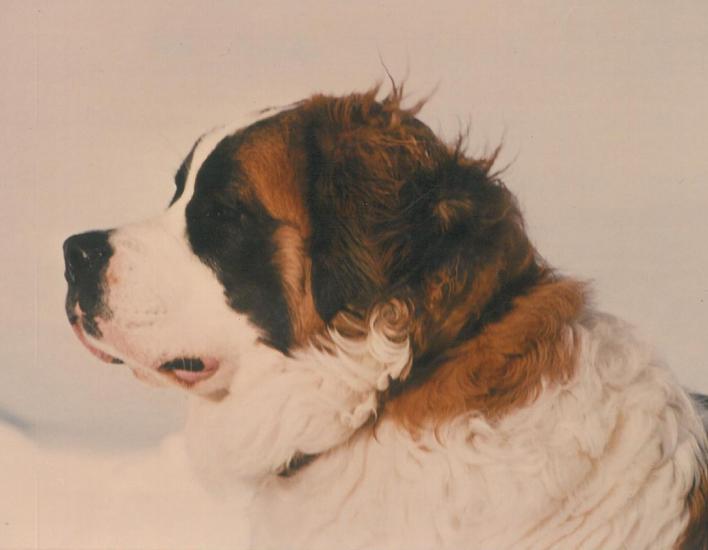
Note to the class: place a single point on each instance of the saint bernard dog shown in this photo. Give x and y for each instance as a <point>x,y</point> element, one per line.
<point>370,340</point>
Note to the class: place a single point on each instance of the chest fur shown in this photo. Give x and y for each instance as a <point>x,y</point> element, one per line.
<point>603,461</point>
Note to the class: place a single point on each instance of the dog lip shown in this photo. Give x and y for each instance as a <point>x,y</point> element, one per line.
<point>103,356</point>
<point>189,370</point>
<point>190,364</point>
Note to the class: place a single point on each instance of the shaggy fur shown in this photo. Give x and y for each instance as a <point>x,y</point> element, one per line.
<point>373,342</point>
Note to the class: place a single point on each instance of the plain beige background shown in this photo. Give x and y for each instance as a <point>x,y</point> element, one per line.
<point>602,106</point>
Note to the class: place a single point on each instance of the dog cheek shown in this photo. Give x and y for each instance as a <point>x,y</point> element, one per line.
<point>133,292</point>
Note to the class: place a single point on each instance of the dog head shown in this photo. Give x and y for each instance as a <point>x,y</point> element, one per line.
<point>297,227</point>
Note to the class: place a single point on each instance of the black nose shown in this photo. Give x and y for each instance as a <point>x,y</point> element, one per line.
<point>85,255</point>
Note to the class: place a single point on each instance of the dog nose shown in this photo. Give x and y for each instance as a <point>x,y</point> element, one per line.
<point>85,255</point>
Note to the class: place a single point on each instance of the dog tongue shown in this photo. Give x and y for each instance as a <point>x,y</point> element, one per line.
<point>190,369</point>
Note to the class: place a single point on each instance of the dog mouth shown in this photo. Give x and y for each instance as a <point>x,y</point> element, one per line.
<point>189,370</point>
<point>186,371</point>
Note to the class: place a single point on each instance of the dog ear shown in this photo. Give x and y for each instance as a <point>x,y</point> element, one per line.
<point>361,153</point>
<point>344,273</point>
<point>471,254</point>
<point>396,212</point>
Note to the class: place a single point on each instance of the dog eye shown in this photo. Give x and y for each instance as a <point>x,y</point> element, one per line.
<point>221,213</point>
<point>216,213</point>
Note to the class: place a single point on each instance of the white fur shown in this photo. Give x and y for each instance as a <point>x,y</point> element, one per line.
<point>604,461</point>
<point>280,406</point>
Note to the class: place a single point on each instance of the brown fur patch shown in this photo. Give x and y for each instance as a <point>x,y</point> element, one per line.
<point>295,268</point>
<point>505,366</point>
<point>274,169</point>
<point>368,152</point>
<point>695,537</point>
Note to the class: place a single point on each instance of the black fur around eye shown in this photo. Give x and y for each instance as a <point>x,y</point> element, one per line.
<point>224,213</point>
<point>231,231</point>
<point>217,212</point>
